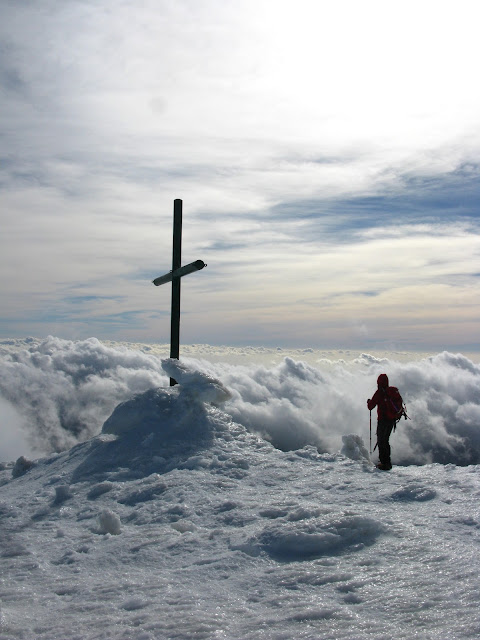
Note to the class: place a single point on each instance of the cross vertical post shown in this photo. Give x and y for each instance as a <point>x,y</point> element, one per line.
<point>175,276</point>
<point>176,283</point>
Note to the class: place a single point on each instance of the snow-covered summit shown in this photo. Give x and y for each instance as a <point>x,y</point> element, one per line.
<point>178,522</point>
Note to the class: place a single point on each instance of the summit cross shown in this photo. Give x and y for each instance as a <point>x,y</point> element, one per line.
<point>174,276</point>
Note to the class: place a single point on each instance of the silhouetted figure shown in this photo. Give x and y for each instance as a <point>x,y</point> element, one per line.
<point>389,409</point>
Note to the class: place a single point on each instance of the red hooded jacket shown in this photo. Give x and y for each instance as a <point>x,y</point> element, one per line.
<point>387,400</point>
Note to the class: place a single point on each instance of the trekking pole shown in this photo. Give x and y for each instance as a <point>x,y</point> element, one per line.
<point>370,432</point>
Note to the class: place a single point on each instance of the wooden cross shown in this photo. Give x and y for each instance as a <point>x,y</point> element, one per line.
<point>174,276</point>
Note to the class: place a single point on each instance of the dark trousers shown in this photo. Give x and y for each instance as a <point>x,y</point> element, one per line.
<point>384,429</point>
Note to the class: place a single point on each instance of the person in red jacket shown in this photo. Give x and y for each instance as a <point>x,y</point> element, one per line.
<point>389,405</point>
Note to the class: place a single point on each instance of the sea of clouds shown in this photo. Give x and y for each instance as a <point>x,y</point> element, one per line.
<point>55,393</point>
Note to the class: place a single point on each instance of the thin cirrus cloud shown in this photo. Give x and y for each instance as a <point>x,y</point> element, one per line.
<point>319,156</point>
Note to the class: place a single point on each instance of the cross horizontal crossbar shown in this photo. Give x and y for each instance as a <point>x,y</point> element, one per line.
<point>178,273</point>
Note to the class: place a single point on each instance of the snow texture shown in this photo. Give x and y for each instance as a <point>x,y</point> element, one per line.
<point>176,520</point>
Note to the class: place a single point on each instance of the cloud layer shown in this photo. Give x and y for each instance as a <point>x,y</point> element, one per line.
<point>65,391</point>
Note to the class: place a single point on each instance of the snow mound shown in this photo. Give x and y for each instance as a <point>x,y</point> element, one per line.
<point>169,410</point>
<point>414,492</point>
<point>354,448</point>
<point>297,541</point>
<point>22,465</point>
<point>109,522</point>
<point>196,384</point>
<point>155,432</point>
<point>158,409</point>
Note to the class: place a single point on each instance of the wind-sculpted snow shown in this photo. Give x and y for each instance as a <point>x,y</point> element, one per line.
<point>169,411</point>
<point>414,491</point>
<point>173,422</point>
<point>196,387</point>
<point>354,448</point>
<point>63,391</point>
<point>314,538</point>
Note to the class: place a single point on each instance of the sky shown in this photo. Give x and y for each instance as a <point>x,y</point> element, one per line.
<point>327,154</point>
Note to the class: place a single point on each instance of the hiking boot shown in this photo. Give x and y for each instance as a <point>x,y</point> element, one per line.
<point>384,467</point>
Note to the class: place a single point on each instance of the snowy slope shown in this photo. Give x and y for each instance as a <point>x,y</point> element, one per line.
<point>178,522</point>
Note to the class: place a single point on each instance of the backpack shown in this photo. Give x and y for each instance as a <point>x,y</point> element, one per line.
<point>394,408</point>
